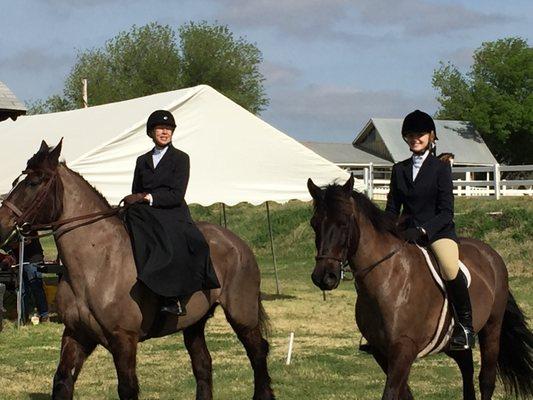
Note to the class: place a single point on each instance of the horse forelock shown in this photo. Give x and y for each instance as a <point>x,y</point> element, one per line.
<point>337,204</point>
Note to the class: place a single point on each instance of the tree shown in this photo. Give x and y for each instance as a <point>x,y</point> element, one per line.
<point>137,63</point>
<point>495,95</point>
<point>149,59</point>
<point>211,55</point>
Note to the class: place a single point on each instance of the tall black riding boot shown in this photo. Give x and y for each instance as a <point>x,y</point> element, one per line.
<point>463,333</point>
<point>173,305</point>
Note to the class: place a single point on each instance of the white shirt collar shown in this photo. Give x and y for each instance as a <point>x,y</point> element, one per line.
<point>159,151</point>
<point>421,156</point>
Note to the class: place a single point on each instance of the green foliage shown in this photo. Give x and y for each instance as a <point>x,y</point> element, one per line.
<point>150,59</point>
<point>495,95</point>
<point>212,56</point>
<point>137,63</point>
<point>54,103</point>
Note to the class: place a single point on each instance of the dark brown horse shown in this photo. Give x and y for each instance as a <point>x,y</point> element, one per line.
<point>99,298</point>
<point>399,304</point>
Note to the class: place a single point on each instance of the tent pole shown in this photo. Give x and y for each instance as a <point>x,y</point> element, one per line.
<point>272,248</point>
<point>20,307</point>
<point>224,215</point>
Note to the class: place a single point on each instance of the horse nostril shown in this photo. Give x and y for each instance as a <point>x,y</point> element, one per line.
<point>330,278</point>
<point>315,279</point>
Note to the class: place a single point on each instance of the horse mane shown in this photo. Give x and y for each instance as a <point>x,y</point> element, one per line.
<point>96,191</point>
<point>335,200</point>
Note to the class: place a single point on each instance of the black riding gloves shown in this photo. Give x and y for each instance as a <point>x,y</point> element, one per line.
<point>413,234</point>
<point>134,198</point>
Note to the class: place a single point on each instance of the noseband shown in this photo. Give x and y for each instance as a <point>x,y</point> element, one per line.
<point>24,218</point>
<point>24,221</point>
<point>341,260</point>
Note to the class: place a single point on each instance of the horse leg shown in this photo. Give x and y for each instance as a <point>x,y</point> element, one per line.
<point>402,354</point>
<point>382,361</point>
<point>200,359</point>
<point>123,346</point>
<point>74,351</point>
<point>489,344</point>
<point>466,364</point>
<point>257,350</point>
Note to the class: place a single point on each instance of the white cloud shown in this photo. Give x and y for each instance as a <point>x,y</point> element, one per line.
<point>338,113</point>
<point>349,20</point>
<point>300,18</point>
<point>423,17</point>
<point>278,74</point>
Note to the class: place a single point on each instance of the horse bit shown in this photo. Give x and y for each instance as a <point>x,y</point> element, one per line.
<point>23,227</point>
<point>344,260</point>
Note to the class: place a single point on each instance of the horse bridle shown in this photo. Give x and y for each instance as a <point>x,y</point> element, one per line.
<point>24,226</point>
<point>343,261</point>
<point>24,217</point>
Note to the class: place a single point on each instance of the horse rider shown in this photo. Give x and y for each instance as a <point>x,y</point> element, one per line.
<point>171,254</point>
<point>421,188</point>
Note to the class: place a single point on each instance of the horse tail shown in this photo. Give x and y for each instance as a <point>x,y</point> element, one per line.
<point>515,360</point>
<point>264,319</point>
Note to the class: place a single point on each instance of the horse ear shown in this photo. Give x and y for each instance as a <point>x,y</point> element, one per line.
<point>43,148</point>
<point>54,154</point>
<point>348,186</point>
<point>314,190</point>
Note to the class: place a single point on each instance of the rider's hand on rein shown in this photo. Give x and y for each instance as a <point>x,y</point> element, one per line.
<point>134,198</point>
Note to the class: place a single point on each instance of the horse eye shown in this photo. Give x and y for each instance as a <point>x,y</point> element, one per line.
<point>34,181</point>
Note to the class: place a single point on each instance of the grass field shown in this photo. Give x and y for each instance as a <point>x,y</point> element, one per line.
<point>326,363</point>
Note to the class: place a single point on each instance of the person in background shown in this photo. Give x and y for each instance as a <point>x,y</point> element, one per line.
<point>31,278</point>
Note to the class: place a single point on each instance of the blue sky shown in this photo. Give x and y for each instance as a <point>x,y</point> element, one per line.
<point>329,65</point>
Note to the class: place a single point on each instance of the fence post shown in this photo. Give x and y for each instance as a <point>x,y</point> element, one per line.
<point>370,181</point>
<point>468,178</point>
<point>365,179</point>
<point>20,299</point>
<point>497,181</point>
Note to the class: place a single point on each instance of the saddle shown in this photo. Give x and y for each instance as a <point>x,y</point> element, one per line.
<point>443,332</point>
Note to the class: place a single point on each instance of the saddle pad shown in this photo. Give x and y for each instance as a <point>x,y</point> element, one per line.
<point>435,346</point>
<point>435,271</point>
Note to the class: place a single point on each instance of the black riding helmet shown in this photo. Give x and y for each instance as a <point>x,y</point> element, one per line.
<point>418,122</point>
<point>159,117</point>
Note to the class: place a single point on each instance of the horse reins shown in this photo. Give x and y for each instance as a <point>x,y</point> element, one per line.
<point>24,227</point>
<point>366,270</point>
<point>343,261</point>
<point>24,216</point>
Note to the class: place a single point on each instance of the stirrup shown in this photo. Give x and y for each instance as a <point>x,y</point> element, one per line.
<point>462,338</point>
<point>174,308</point>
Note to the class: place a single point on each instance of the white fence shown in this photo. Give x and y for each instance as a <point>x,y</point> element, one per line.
<point>491,180</point>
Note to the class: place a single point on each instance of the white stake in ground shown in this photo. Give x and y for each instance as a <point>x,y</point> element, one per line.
<point>289,353</point>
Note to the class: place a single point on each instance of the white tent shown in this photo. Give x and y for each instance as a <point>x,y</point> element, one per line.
<point>235,156</point>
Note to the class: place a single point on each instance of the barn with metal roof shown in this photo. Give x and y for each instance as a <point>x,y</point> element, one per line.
<point>382,137</point>
<point>345,155</point>
<point>10,106</point>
